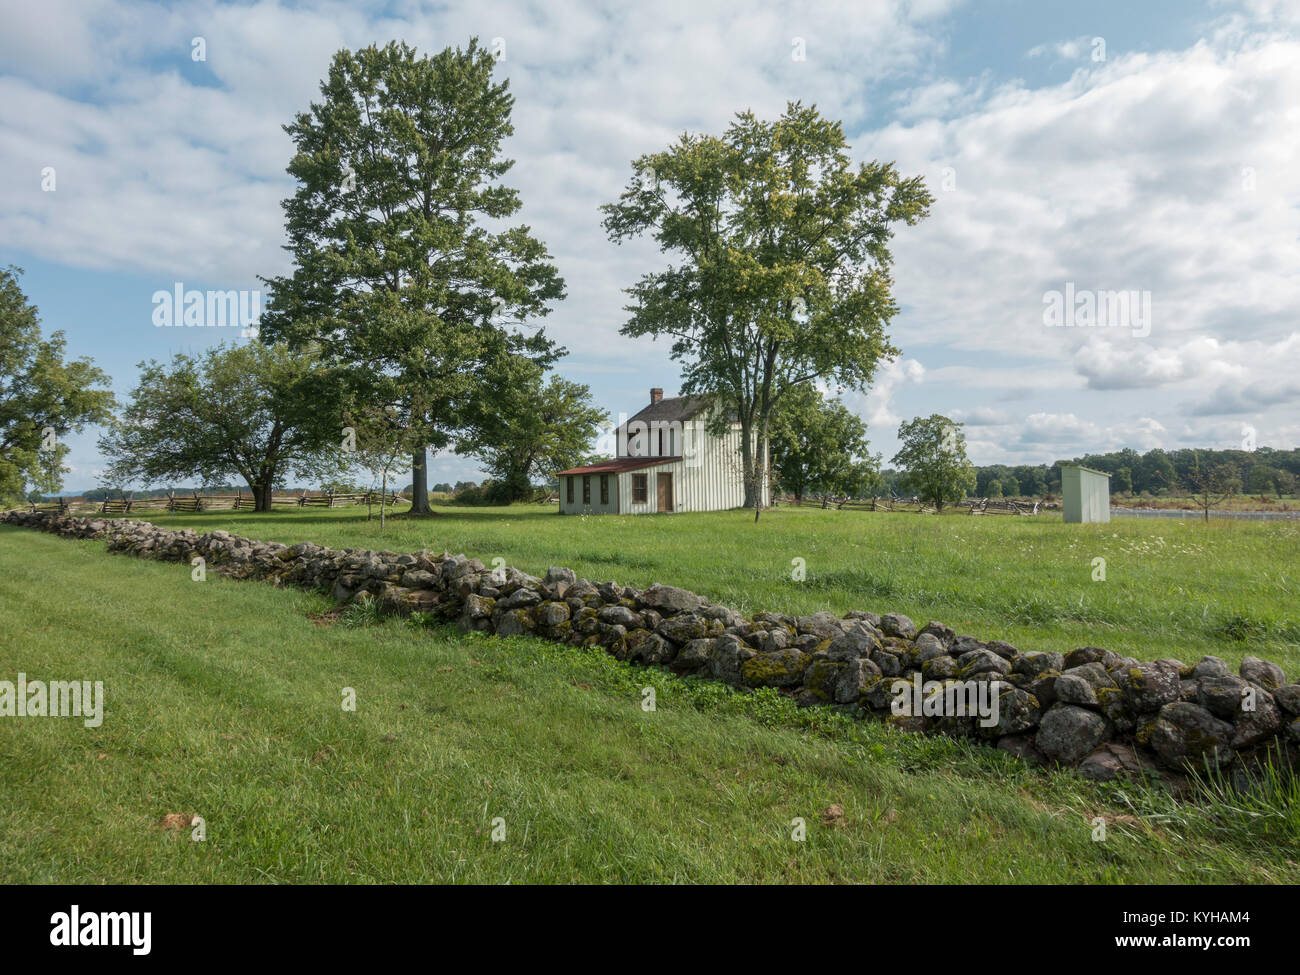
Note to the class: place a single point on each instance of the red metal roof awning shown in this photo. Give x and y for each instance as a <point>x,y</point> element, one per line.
<point>620,464</point>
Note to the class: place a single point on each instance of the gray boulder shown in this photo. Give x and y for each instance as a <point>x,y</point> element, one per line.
<point>1189,734</point>
<point>779,668</point>
<point>941,632</point>
<point>857,640</point>
<point>726,656</point>
<point>889,663</point>
<point>822,625</point>
<point>619,615</point>
<point>520,599</point>
<point>927,647</point>
<point>1003,649</point>
<point>1255,724</point>
<point>552,614</point>
<point>1149,686</point>
<point>419,579</point>
<point>1288,698</point>
<point>1265,673</point>
<point>648,648</point>
<point>670,599</point>
<point>1067,733</point>
<point>1074,689</point>
<point>694,654</point>
<point>559,580</point>
<point>1112,761</point>
<point>1091,655</point>
<point>855,678</point>
<point>514,622</point>
<point>982,661</point>
<point>1043,687</point>
<point>896,624</point>
<point>940,668</point>
<point>1221,694</point>
<point>683,629</point>
<point>1022,747</point>
<point>1018,711</point>
<point>1034,663</point>
<point>1210,666</point>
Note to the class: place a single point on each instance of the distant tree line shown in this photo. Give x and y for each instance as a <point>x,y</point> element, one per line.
<point>1263,471</point>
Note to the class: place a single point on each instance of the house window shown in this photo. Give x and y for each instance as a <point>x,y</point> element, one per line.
<point>604,489</point>
<point>661,441</point>
<point>640,488</point>
<point>586,489</point>
<point>570,480</point>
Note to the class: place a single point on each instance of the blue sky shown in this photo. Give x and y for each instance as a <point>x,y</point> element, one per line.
<point>1105,147</point>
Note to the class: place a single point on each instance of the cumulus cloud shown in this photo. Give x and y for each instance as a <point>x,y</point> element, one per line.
<point>1167,171</point>
<point>875,406</point>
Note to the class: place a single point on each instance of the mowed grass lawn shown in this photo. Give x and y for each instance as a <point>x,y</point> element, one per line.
<point>223,699</point>
<point>1171,588</point>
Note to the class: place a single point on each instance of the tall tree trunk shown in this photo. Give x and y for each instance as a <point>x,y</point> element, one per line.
<point>760,471</point>
<point>261,497</point>
<point>747,463</point>
<point>420,483</point>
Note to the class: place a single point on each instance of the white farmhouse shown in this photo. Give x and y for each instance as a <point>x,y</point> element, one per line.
<point>666,461</point>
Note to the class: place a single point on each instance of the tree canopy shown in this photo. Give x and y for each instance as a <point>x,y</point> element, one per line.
<point>818,445</point>
<point>782,263</point>
<point>43,395</point>
<point>395,274</point>
<point>530,428</point>
<point>934,461</point>
<point>254,411</point>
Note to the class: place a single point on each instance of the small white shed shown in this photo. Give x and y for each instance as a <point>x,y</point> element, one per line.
<point>1085,494</point>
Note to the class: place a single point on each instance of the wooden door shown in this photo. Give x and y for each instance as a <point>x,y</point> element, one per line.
<point>664,489</point>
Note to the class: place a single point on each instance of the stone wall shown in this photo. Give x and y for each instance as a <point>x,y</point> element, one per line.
<point>1091,708</point>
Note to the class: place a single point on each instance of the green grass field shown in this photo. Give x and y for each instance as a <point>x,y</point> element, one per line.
<point>223,699</point>
<point>1171,588</point>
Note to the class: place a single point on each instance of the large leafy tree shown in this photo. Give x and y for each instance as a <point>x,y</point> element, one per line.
<point>254,411</point>
<point>933,459</point>
<point>43,396</point>
<point>531,428</point>
<point>819,445</point>
<point>782,271</point>
<point>395,274</point>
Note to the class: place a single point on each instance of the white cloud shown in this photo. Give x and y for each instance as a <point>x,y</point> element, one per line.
<point>1171,172</point>
<point>1074,49</point>
<point>982,416</point>
<point>875,406</point>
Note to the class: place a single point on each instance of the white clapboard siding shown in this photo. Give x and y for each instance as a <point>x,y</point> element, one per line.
<point>595,507</point>
<point>710,479</point>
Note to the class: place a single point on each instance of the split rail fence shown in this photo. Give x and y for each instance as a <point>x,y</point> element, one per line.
<point>972,506</point>
<point>238,501</point>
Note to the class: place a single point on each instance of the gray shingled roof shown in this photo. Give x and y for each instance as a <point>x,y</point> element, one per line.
<point>673,408</point>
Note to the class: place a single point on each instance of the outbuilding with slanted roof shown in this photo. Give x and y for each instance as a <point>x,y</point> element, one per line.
<point>1085,494</point>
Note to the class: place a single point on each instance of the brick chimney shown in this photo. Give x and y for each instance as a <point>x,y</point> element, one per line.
<point>656,394</point>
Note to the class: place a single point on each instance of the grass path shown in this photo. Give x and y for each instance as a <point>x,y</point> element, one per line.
<point>223,699</point>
